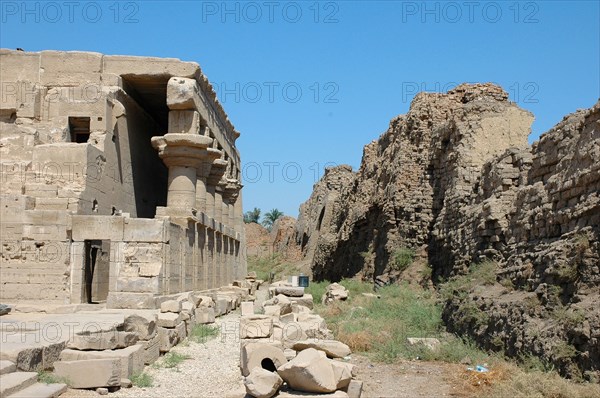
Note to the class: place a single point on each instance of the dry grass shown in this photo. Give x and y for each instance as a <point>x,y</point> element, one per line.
<point>507,380</point>
<point>360,341</point>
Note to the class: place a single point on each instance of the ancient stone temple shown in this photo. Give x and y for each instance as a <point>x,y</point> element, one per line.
<point>120,180</point>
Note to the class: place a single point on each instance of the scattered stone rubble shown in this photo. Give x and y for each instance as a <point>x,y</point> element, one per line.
<point>107,359</point>
<point>289,351</point>
<point>335,292</point>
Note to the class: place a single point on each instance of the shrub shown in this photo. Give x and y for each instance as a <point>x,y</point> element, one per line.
<point>317,289</point>
<point>459,286</point>
<point>203,333</point>
<point>172,360</point>
<point>564,350</point>
<point>403,257</point>
<point>142,380</point>
<point>50,378</point>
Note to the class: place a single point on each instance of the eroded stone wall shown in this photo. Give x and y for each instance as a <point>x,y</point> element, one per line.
<point>455,180</point>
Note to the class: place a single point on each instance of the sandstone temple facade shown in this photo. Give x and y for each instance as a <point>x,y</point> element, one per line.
<point>120,180</point>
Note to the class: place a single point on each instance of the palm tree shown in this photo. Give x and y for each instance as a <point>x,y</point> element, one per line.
<point>270,218</point>
<point>252,216</point>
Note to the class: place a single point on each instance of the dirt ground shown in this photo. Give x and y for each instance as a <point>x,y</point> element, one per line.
<point>407,379</point>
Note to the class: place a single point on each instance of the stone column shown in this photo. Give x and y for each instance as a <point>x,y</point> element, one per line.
<point>213,206</point>
<point>182,154</point>
<point>203,173</point>
<point>231,192</point>
<point>210,201</point>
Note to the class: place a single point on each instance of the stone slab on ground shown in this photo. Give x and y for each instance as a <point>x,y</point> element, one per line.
<point>354,389</point>
<point>16,381</point>
<point>92,373</point>
<point>7,367</point>
<point>102,341</point>
<point>41,390</point>
<point>301,394</point>
<point>132,358</point>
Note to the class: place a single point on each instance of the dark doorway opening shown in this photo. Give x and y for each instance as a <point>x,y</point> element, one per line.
<point>79,127</point>
<point>96,270</point>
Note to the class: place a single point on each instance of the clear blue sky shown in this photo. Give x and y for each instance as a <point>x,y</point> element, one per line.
<point>310,83</point>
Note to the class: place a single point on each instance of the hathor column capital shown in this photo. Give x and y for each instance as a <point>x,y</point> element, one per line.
<point>183,154</point>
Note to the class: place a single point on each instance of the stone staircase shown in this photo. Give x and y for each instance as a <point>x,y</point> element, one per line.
<point>15,384</point>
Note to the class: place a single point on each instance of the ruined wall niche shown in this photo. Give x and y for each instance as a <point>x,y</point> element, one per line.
<point>79,129</point>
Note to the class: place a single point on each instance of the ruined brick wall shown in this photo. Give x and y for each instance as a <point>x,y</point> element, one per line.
<point>455,179</point>
<point>412,182</point>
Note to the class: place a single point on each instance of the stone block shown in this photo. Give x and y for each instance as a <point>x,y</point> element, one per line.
<point>205,315</point>
<point>132,358</point>
<point>102,341</point>
<point>247,308</point>
<point>143,325</point>
<point>168,339</point>
<point>184,122</point>
<point>97,227</point>
<point>309,371</point>
<point>148,66</point>
<point>256,355</point>
<point>13,382</point>
<point>128,300</point>
<point>169,319</point>
<point>188,307</point>
<point>430,343</point>
<point>343,373</point>
<point>256,326</point>
<point>354,389</point>
<point>306,300</point>
<point>70,68</point>
<point>332,348</point>
<point>92,373</point>
<point>222,306</point>
<point>262,383</point>
<point>181,331</point>
<point>151,349</point>
<point>143,230</point>
<point>289,393</point>
<point>289,291</point>
<point>170,306</point>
